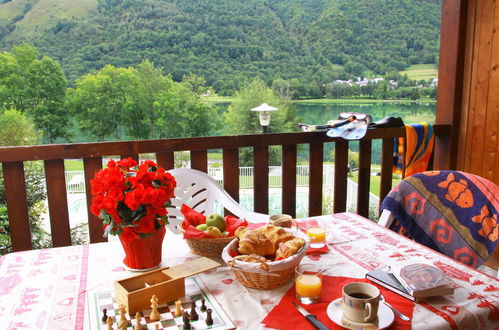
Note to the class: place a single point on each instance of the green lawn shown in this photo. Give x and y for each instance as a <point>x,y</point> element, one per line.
<point>73,165</point>
<point>218,99</point>
<point>44,13</point>
<point>421,71</point>
<point>375,181</point>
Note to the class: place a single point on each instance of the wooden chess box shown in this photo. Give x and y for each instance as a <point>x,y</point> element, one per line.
<point>167,284</point>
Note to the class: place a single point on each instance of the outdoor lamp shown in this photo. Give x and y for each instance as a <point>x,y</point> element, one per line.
<point>264,115</point>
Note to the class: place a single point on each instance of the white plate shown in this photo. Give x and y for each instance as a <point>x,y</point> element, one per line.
<point>384,320</point>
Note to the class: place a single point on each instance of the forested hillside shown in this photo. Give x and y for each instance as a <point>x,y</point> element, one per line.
<point>229,41</point>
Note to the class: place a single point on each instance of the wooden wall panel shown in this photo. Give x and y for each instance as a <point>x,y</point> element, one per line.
<point>478,144</point>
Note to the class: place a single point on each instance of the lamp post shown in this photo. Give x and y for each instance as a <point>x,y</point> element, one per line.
<point>264,115</point>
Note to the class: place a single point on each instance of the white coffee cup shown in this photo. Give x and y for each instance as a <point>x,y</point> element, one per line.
<point>360,302</point>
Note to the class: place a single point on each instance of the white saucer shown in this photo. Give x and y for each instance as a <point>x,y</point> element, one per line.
<point>133,270</point>
<point>335,313</point>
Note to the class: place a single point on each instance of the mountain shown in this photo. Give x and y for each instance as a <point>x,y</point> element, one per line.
<point>230,41</point>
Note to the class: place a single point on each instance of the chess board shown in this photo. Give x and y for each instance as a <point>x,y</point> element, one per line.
<point>194,290</point>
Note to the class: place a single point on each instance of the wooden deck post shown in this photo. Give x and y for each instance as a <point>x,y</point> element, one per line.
<point>450,80</point>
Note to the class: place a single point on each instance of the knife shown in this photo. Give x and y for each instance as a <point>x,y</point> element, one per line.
<point>311,318</point>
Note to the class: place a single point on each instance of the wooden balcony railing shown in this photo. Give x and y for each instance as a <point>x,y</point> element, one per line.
<point>53,156</point>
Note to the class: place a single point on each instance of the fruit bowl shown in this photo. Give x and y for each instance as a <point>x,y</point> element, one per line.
<point>208,247</point>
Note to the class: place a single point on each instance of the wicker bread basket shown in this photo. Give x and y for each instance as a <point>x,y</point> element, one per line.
<point>263,275</point>
<point>208,247</point>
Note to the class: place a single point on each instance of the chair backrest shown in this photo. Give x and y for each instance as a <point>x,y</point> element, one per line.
<point>452,212</point>
<point>202,193</point>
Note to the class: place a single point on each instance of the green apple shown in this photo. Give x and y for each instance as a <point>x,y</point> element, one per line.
<point>213,231</point>
<point>216,220</point>
<point>202,227</point>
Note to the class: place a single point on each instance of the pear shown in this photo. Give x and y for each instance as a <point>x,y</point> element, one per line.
<point>202,227</point>
<point>214,231</point>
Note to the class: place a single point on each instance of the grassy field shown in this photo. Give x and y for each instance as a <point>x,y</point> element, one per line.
<point>73,165</point>
<point>375,180</point>
<point>218,99</point>
<point>421,71</point>
<point>44,13</point>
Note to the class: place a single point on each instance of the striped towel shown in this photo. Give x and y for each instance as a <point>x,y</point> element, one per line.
<point>452,212</point>
<point>418,145</point>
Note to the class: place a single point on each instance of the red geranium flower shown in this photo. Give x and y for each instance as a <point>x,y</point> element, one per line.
<point>132,199</point>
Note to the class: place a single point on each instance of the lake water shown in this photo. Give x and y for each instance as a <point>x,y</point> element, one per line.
<point>320,113</point>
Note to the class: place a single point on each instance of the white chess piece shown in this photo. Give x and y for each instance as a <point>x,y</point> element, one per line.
<point>154,306</point>
<point>138,326</point>
<point>109,323</point>
<point>178,308</point>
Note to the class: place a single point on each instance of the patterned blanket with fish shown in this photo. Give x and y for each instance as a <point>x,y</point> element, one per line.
<point>452,212</point>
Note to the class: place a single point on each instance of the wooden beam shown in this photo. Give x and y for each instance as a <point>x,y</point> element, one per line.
<point>450,80</point>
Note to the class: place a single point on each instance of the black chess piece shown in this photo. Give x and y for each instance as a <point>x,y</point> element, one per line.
<point>209,319</point>
<point>185,317</point>
<point>104,317</point>
<point>187,325</point>
<point>203,306</point>
<point>194,315</point>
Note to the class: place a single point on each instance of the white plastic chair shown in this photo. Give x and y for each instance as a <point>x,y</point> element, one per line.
<point>202,193</point>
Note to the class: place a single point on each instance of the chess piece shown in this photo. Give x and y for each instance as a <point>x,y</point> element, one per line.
<point>138,326</point>
<point>104,317</point>
<point>178,308</point>
<point>154,306</point>
<point>194,315</point>
<point>209,319</point>
<point>203,306</point>
<point>123,325</point>
<point>156,325</point>
<point>122,313</point>
<point>187,324</point>
<point>109,323</point>
<point>185,317</point>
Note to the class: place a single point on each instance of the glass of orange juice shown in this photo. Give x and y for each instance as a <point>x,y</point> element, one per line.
<point>308,283</point>
<point>317,237</point>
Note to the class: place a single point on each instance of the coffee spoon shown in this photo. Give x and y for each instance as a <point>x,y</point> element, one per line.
<point>402,316</point>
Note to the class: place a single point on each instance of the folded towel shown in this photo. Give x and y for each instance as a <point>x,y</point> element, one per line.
<point>418,144</point>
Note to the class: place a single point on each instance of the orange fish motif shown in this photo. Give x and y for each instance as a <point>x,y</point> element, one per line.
<point>457,191</point>
<point>489,229</point>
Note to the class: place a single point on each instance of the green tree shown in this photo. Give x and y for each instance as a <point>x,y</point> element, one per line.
<point>183,114</point>
<point>197,83</point>
<point>46,85</point>
<point>36,87</point>
<point>141,117</point>
<point>13,66</point>
<point>99,100</point>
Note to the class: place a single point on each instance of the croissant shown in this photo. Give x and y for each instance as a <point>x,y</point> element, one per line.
<point>276,234</point>
<point>240,232</point>
<point>289,248</point>
<point>252,241</point>
<point>252,258</point>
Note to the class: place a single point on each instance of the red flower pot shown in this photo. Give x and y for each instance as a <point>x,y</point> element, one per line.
<point>144,253</point>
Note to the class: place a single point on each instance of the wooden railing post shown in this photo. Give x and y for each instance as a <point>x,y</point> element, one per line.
<point>58,202</point>
<point>316,176</point>
<point>17,205</point>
